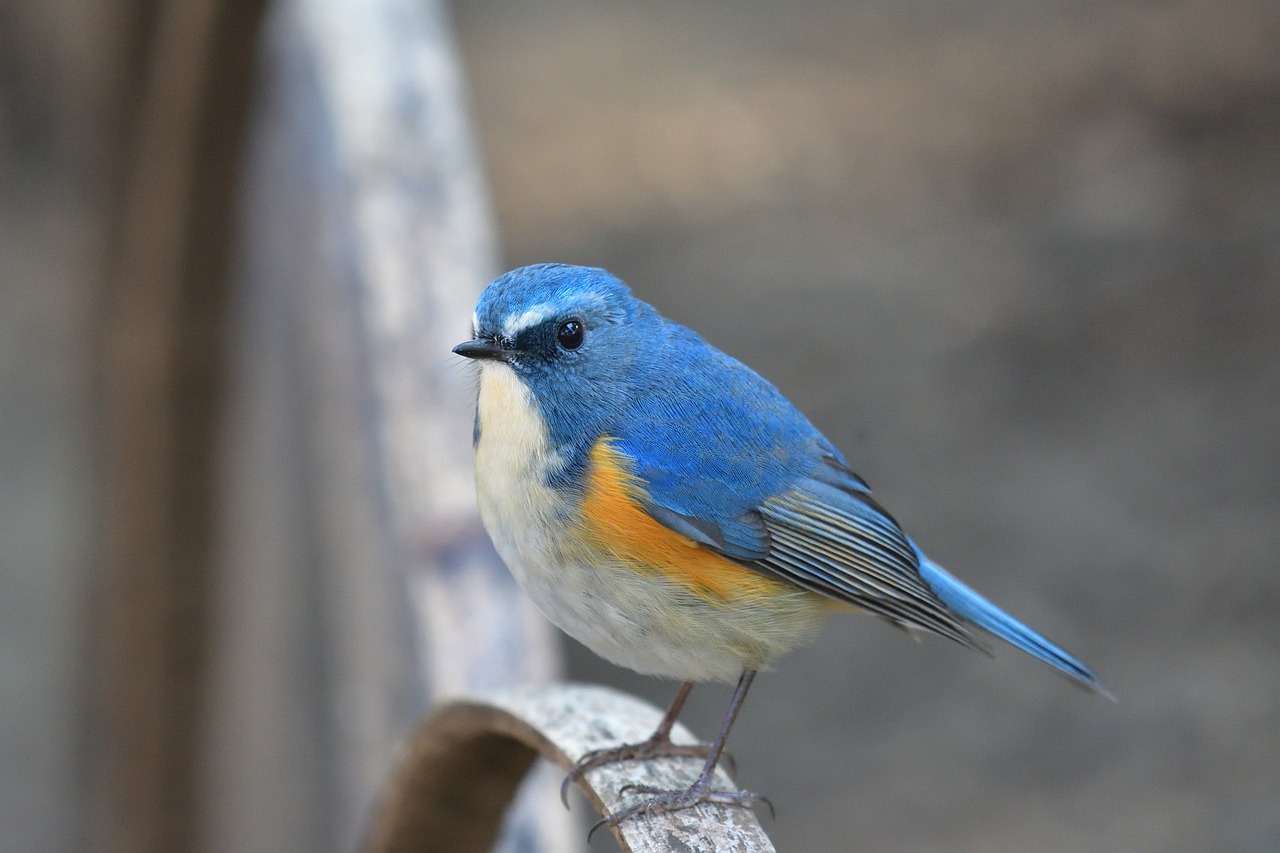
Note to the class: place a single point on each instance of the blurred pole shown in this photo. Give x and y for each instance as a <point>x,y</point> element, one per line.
<point>183,107</point>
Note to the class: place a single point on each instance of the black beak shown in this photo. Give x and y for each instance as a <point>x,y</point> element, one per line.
<point>483,349</point>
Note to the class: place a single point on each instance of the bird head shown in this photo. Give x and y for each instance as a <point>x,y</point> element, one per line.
<point>574,336</point>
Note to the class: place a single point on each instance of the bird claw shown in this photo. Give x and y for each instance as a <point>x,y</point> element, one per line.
<point>654,747</point>
<point>663,801</point>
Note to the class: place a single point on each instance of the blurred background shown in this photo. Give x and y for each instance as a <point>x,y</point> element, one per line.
<point>1020,261</point>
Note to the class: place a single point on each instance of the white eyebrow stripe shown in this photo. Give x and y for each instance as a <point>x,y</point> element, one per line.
<point>517,323</point>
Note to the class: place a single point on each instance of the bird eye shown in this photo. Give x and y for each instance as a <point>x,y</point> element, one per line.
<point>570,334</point>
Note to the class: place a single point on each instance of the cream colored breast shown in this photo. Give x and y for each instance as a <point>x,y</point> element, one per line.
<point>512,460</point>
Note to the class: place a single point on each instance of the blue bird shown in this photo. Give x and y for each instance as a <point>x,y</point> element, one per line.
<point>670,509</point>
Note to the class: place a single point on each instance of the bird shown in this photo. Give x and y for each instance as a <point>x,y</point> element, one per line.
<point>666,506</point>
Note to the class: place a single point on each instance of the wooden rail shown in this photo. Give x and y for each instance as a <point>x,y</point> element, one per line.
<point>459,770</point>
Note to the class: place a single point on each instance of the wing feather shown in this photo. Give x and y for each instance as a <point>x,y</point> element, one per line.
<point>725,460</point>
<point>861,557</point>
<point>825,534</point>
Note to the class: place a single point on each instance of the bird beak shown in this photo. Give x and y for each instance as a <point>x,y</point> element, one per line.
<point>483,349</point>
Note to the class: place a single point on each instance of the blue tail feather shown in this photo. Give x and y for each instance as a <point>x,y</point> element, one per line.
<point>976,609</point>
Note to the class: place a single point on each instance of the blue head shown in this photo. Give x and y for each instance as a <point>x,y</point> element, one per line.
<point>522,315</point>
<point>576,338</point>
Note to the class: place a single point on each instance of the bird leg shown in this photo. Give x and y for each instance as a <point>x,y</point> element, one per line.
<point>658,745</point>
<point>700,791</point>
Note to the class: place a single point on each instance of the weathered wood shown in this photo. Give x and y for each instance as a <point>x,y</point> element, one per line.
<point>415,240</point>
<point>401,248</point>
<point>459,770</point>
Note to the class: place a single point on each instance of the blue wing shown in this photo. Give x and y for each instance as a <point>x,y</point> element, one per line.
<point>730,463</point>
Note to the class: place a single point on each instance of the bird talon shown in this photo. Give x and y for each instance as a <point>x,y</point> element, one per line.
<point>659,745</point>
<point>773,814</point>
<point>602,822</point>
<point>665,801</point>
<point>568,779</point>
<point>640,789</point>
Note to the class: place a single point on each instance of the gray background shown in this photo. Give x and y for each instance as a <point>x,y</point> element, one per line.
<point>1021,261</point>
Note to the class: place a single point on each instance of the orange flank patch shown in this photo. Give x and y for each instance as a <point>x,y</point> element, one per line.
<point>616,523</point>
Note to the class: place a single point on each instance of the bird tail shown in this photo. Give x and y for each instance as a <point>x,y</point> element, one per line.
<point>976,609</point>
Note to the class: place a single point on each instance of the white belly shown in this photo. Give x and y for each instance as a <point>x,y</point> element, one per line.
<point>639,621</point>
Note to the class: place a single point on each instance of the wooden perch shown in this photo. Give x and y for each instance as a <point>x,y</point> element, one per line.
<point>459,770</point>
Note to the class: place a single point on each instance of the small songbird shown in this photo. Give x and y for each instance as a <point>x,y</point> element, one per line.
<point>667,507</point>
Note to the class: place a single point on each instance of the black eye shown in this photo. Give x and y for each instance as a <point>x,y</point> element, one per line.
<point>570,334</point>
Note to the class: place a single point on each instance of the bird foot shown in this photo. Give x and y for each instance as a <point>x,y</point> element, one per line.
<point>662,801</point>
<point>658,746</point>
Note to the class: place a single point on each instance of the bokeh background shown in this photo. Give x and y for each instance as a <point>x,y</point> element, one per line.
<point>1020,261</point>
